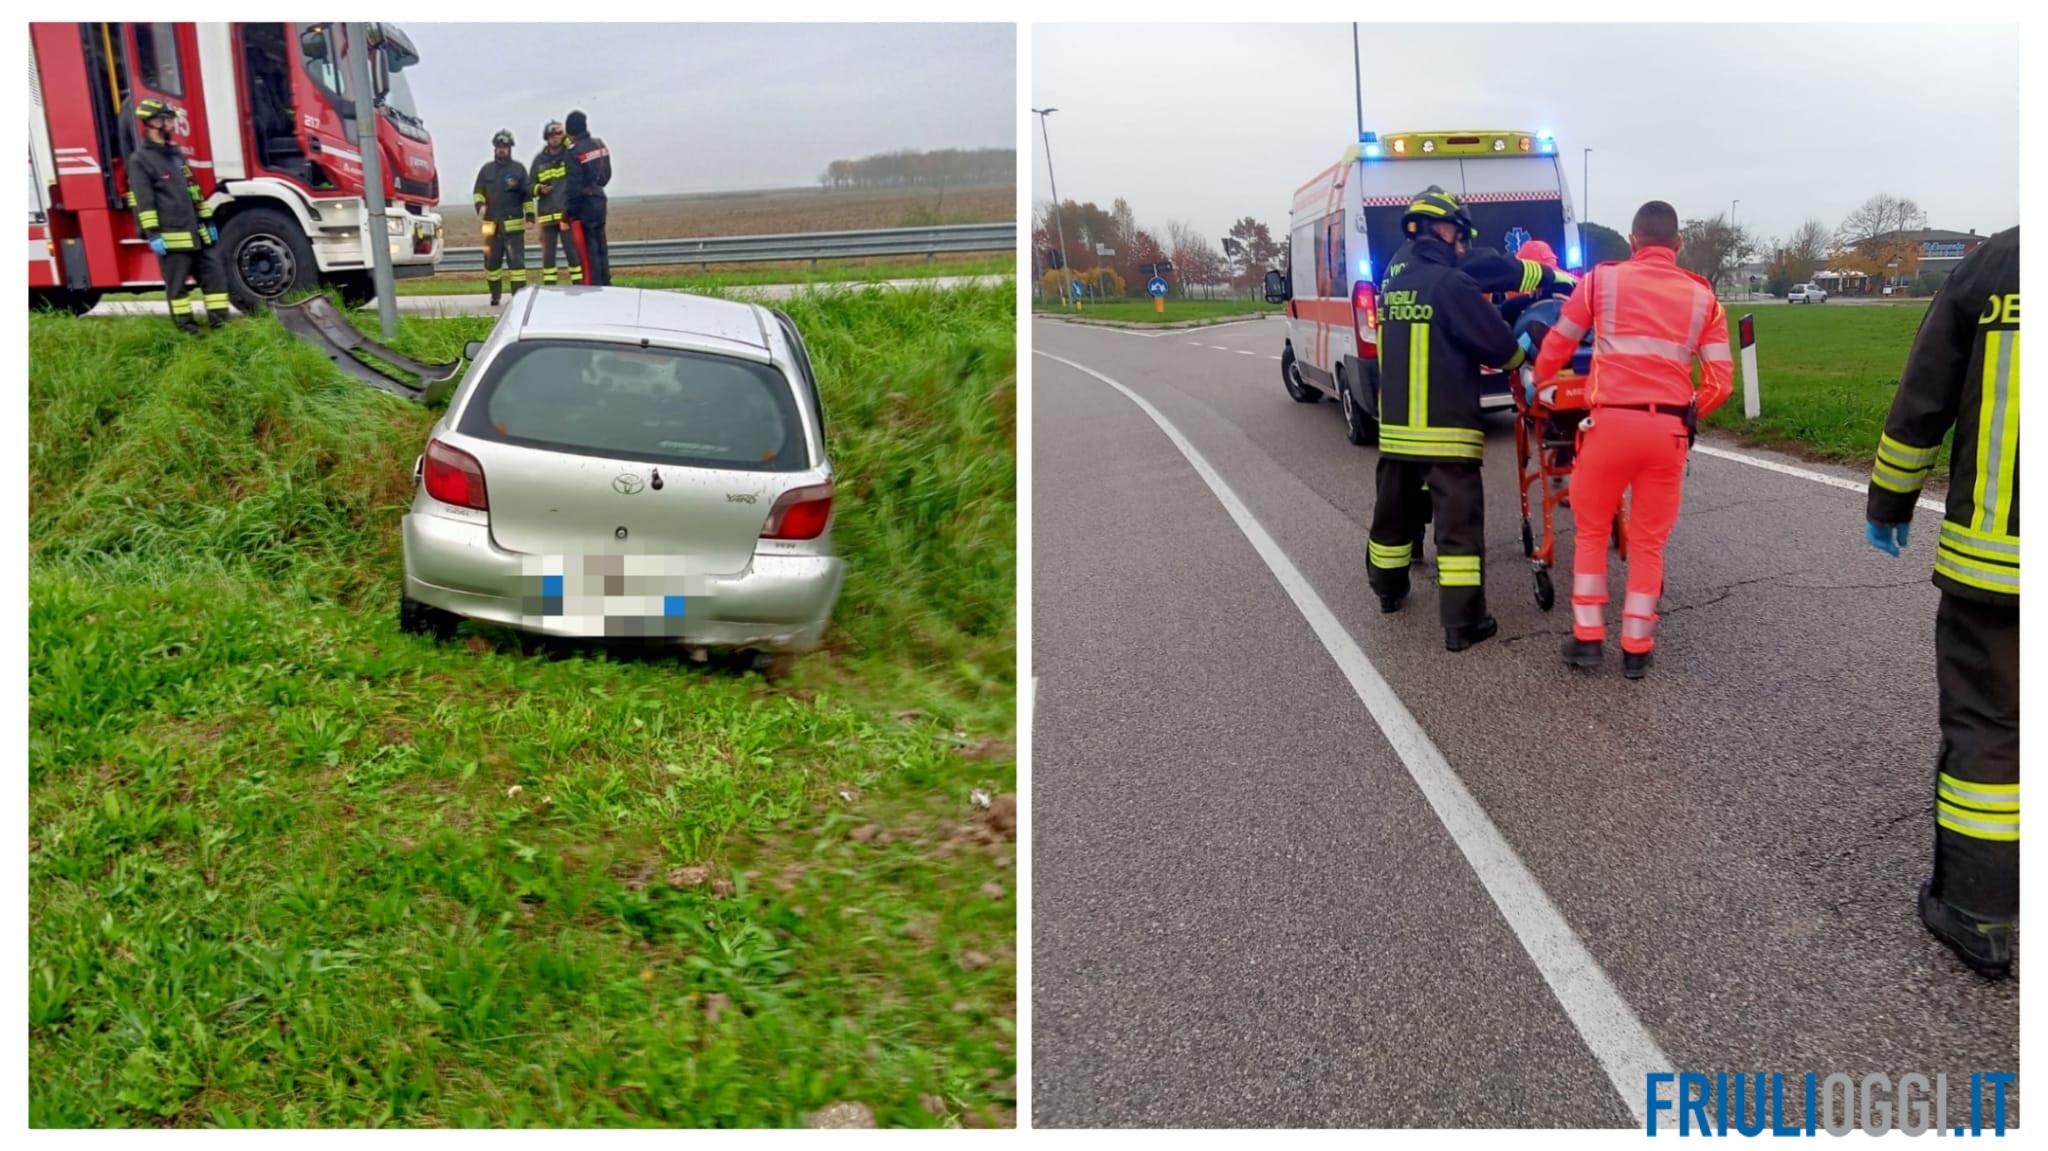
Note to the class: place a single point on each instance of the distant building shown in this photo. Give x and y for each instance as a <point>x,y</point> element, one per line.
<point>1940,251</point>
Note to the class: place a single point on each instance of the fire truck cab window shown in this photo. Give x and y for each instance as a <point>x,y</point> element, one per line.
<point>322,49</point>
<point>156,59</point>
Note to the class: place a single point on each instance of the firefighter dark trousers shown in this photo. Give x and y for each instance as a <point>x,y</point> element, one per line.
<point>1977,781</point>
<point>505,257</point>
<point>597,263</point>
<point>1458,499</point>
<point>205,265</point>
<point>550,235</point>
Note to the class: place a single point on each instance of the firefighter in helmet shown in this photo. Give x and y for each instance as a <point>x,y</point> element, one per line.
<point>1437,331</point>
<point>504,202</point>
<point>550,171</point>
<point>175,219</point>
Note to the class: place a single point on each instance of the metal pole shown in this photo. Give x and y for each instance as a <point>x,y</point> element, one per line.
<point>1586,184</point>
<point>376,233</point>
<point>1357,81</point>
<point>1058,217</point>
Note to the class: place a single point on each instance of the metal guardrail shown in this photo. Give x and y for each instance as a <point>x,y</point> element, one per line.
<point>794,246</point>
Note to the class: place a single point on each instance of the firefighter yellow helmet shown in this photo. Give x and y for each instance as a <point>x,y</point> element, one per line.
<point>151,110</point>
<point>1433,204</point>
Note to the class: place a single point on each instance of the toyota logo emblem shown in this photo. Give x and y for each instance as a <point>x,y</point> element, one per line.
<point>627,484</point>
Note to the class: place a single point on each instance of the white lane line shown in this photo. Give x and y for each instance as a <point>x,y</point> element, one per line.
<point>1219,347</point>
<point>1272,357</point>
<point>1243,352</point>
<point>1606,1023</point>
<point>1846,485</point>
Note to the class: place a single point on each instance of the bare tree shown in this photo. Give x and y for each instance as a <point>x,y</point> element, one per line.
<point>1880,239</point>
<point>1807,251</point>
<point>1714,248</point>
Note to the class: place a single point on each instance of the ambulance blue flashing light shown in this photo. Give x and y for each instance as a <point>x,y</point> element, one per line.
<point>1543,134</point>
<point>1572,257</point>
<point>1372,151</point>
<point>1365,269</point>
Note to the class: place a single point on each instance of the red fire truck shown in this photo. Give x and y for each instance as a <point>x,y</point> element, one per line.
<point>267,123</point>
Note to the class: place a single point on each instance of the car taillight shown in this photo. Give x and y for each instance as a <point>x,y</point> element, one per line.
<point>1365,315</point>
<point>800,514</point>
<point>454,477</point>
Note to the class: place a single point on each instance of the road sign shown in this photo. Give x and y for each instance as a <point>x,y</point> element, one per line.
<point>1157,287</point>
<point>1104,250</point>
<point>1077,289</point>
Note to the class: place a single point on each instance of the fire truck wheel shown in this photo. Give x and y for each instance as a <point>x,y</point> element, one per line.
<point>64,300</point>
<point>1298,389</point>
<point>267,258</point>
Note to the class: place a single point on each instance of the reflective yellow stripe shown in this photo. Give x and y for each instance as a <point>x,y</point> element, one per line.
<point>148,218</point>
<point>1980,545</point>
<point>1418,375</point>
<point>1532,275</point>
<point>1964,570</point>
<point>1458,571</point>
<point>1981,796</point>
<point>1389,555</point>
<point>1892,479</point>
<point>1997,432</point>
<point>1977,824</point>
<point>1905,456</point>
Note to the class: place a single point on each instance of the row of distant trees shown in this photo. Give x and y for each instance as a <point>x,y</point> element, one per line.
<point>1879,239</point>
<point>1236,263</point>
<point>906,169</point>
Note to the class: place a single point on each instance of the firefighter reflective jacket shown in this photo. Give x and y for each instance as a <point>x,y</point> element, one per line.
<point>166,198</point>
<point>1964,371</point>
<point>1649,318</point>
<point>1436,330</point>
<point>504,194</point>
<point>550,172</point>
<point>1496,273</point>
<point>590,169</point>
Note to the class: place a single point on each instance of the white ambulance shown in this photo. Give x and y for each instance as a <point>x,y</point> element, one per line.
<point>1346,225</point>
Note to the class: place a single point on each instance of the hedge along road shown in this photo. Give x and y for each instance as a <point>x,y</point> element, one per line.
<point>1303,868</point>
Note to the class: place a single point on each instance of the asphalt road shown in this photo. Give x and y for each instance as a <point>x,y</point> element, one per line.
<point>1245,909</point>
<point>479,303</point>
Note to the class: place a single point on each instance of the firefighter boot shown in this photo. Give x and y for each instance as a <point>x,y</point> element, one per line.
<point>495,292</point>
<point>1460,638</point>
<point>1984,945</point>
<point>1636,664</point>
<point>189,326</point>
<point>1583,653</point>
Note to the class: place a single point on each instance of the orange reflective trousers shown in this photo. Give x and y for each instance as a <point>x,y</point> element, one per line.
<point>1643,453</point>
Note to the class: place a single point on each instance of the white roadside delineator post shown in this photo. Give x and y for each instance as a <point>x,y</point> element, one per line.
<point>1750,402</point>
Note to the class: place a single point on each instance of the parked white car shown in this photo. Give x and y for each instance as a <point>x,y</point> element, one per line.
<point>1806,294</point>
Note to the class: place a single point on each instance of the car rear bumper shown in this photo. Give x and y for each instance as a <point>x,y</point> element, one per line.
<point>779,603</point>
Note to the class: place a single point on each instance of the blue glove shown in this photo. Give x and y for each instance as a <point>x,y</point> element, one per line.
<point>1527,344</point>
<point>1887,538</point>
<point>212,234</point>
<point>1529,391</point>
<point>156,244</point>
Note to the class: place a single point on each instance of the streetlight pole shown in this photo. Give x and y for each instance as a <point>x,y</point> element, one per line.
<point>1058,217</point>
<point>1586,183</point>
<point>1357,81</point>
<point>1734,243</point>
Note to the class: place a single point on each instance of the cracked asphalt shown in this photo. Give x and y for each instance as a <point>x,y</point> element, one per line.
<point>1244,912</point>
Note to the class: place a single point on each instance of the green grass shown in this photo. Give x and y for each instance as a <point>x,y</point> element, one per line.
<point>288,866</point>
<point>1002,265</point>
<point>1178,311</point>
<point>1826,377</point>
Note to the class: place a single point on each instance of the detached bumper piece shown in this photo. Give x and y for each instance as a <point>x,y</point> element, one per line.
<point>316,321</point>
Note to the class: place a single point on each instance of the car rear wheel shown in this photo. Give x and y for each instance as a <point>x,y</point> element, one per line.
<point>1359,428</point>
<point>416,618</point>
<point>1298,389</point>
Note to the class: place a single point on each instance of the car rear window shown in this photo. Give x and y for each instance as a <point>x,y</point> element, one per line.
<point>657,405</point>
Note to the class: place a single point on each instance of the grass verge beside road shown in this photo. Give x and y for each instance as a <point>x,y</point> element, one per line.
<point>1827,376</point>
<point>288,866</point>
<point>1178,311</point>
<point>682,278</point>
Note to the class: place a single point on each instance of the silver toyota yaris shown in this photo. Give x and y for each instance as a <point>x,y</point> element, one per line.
<point>629,464</point>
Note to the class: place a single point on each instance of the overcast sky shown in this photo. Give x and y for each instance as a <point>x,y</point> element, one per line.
<point>1211,122</point>
<point>709,107</point>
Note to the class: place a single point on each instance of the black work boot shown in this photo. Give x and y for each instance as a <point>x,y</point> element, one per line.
<point>189,326</point>
<point>1636,664</point>
<point>1584,653</point>
<point>1389,604</point>
<point>494,295</point>
<point>1984,945</point>
<point>1460,638</point>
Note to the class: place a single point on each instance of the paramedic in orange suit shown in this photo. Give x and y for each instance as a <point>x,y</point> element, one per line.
<point>1650,319</point>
